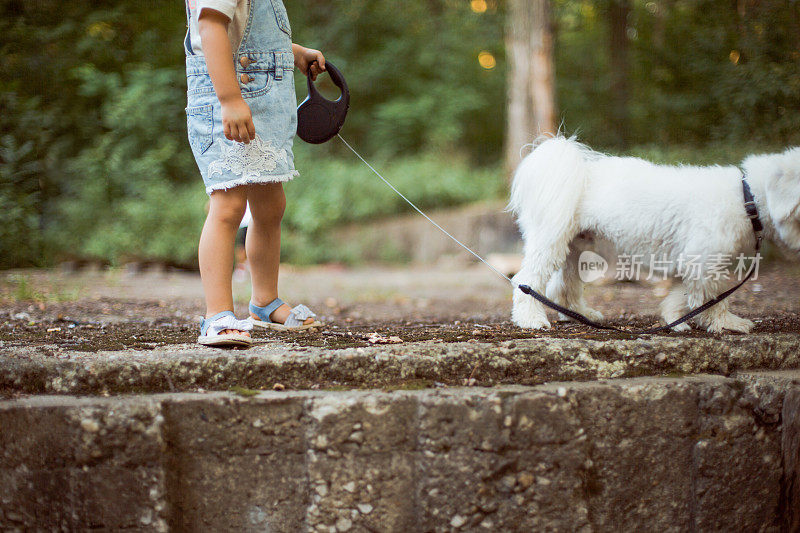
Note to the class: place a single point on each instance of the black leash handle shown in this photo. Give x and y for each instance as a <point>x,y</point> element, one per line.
<point>320,119</point>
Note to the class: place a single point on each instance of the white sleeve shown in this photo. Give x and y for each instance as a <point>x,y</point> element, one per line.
<point>226,7</point>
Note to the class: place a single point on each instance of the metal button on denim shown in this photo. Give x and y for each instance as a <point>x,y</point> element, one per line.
<point>244,61</point>
<point>246,79</point>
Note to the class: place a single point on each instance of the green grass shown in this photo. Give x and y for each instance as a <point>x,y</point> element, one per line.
<point>414,384</point>
<point>244,392</point>
<point>23,288</point>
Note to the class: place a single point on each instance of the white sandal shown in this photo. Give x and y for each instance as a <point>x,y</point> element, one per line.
<point>211,328</point>
<point>295,321</point>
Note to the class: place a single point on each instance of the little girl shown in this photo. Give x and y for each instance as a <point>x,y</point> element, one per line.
<point>242,120</point>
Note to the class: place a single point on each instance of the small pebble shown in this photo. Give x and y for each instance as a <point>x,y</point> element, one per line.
<point>90,425</point>
<point>525,480</point>
<point>458,521</point>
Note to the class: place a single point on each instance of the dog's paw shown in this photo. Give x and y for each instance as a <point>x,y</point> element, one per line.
<point>593,314</point>
<point>531,322</point>
<point>731,322</point>
<point>681,327</point>
<point>588,312</point>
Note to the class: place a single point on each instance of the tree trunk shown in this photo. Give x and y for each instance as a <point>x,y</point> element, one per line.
<point>618,11</point>
<point>531,75</point>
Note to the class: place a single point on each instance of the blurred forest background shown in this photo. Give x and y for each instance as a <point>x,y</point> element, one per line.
<point>94,161</point>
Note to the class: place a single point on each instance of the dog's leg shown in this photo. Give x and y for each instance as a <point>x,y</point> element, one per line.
<point>566,286</point>
<point>557,291</point>
<point>674,306</point>
<point>718,318</point>
<point>526,312</point>
<point>538,265</point>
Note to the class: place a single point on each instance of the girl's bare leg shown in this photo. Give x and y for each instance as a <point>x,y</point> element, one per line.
<point>263,244</point>
<point>215,254</point>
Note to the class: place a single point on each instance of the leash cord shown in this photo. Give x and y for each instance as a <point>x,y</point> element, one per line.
<point>553,305</point>
<point>429,219</point>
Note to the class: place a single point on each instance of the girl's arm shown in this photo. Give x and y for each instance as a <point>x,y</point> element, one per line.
<point>237,120</point>
<point>305,57</point>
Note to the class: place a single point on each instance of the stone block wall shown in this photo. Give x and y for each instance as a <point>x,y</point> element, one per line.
<point>695,454</point>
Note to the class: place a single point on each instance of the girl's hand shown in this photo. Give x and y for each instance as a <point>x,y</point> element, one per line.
<point>308,57</point>
<point>237,121</point>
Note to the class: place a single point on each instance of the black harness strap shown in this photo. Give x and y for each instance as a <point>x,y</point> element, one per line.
<point>758,227</point>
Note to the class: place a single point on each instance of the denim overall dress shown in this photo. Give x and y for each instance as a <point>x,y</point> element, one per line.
<point>264,71</point>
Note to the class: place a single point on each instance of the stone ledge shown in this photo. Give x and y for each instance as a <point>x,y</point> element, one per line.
<point>698,453</point>
<point>524,362</point>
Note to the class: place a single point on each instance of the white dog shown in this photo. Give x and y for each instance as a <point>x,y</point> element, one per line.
<point>563,191</point>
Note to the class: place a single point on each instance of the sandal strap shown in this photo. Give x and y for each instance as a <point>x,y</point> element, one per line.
<point>264,312</point>
<point>221,321</point>
<point>298,315</point>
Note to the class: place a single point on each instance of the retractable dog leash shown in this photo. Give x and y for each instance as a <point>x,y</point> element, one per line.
<point>319,120</point>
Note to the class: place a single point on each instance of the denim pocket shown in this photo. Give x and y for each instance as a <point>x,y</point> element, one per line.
<point>261,83</point>
<point>282,17</point>
<point>200,123</point>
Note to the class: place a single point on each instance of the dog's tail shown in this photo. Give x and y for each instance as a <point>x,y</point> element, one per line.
<point>548,185</point>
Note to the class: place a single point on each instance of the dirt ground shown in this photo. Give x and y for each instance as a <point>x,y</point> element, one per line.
<point>118,309</point>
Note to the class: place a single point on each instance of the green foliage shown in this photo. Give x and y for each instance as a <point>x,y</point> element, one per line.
<point>333,191</point>
<point>51,113</point>
<point>94,160</point>
<point>19,198</point>
<point>711,154</point>
<point>413,72</point>
<point>701,71</point>
<point>133,191</point>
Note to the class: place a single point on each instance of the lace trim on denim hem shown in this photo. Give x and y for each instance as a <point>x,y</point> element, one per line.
<point>276,178</point>
<point>251,161</point>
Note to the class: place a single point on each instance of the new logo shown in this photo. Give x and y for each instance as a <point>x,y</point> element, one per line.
<point>591,266</point>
